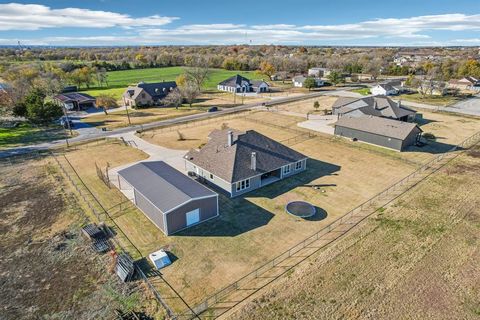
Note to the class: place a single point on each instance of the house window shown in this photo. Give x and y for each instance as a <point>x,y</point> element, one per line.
<point>242,185</point>
<point>286,169</point>
<point>211,176</point>
<point>298,165</point>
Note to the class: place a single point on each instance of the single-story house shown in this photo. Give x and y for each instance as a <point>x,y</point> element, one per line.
<point>147,94</point>
<point>170,199</point>
<point>299,81</point>
<point>384,89</point>
<point>379,106</point>
<point>466,83</point>
<point>379,131</point>
<point>239,84</point>
<point>75,100</point>
<point>239,162</point>
<point>319,72</point>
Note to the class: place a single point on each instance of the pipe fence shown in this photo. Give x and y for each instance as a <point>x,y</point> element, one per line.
<point>350,219</point>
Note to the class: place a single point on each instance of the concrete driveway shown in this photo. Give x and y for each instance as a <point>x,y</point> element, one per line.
<point>156,153</point>
<point>323,124</point>
<point>469,106</point>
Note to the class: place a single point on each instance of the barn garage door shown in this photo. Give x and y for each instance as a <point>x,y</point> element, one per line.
<point>193,217</point>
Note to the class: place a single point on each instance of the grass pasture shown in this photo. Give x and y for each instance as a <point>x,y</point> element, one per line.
<point>418,259</point>
<point>26,134</point>
<point>252,228</point>
<point>119,80</point>
<point>145,115</point>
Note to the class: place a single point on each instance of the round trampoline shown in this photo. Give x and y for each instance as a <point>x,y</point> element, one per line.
<point>300,209</point>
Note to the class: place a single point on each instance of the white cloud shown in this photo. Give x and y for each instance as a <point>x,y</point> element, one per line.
<point>16,16</point>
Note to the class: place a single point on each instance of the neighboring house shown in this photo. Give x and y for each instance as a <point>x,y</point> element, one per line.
<point>354,77</point>
<point>380,106</point>
<point>239,162</point>
<point>147,94</point>
<point>167,197</point>
<point>299,81</point>
<point>239,84</point>
<point>75,101</point>
<point>383,132</point>
<point>319,72</point>
<point>467,83</point>
<point>384,89</point>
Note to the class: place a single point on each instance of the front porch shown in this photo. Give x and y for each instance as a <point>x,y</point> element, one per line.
<point>270,177</point>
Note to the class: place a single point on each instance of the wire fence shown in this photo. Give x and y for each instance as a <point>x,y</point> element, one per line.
<point>218,303</point>
<point>120,239</point>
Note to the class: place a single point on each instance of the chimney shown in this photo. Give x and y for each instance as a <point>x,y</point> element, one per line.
<point>253,164</point>
<point>230,138</point>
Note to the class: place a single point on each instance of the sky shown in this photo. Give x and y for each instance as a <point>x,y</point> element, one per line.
<point>207,22</point>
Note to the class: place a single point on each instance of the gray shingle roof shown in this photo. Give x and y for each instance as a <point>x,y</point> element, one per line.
<point>233,163</point>
<point>79,97</point>
<point>163,185</point>
<point>380,106</point>
<point>157,90</point>
<point>233,81</point>
<point>381,126</point>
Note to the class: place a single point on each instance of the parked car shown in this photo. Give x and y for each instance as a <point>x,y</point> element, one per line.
<point>213,109</point>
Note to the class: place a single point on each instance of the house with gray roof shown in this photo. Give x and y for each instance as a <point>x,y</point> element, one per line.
<point>147,94</point>
<point>299,81</point>
<point>379,106</point>
<point>75,100</point>
<point>388,133</point>
<point>384,89</point>
<point>239,84</point>
<point>239,162</point>
<point>170,199</point>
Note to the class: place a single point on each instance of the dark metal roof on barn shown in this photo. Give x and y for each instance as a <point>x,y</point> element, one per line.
<point>233,163</point>
<point>380,106</point>
<point>165,187</point>
<point>234,81</point>
<point>75,96</point>
<point>380,126</point>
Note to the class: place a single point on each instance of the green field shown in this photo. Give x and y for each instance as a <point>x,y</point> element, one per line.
<point>362,91</point>
<point>26,134</point>
<point>119,80</point>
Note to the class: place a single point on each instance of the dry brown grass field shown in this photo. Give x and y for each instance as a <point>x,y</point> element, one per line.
<point>119,119</point>
<point>48,269</point>
<point>306,106</point>
<point>254,228</point>
<point>417,259</point>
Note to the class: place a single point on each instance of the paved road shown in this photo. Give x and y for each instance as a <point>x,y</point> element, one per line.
<point>467,107</point>
<point>92,133</point>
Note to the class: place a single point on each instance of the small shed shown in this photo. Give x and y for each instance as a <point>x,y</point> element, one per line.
<point>160,259</point>
<point>388,133</point>
<point>170,199</point>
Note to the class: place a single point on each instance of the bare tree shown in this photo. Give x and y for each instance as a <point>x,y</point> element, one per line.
<point>190,92</point>
<point>174,98</point>
<point>198,73</point>
<point>106,102</point>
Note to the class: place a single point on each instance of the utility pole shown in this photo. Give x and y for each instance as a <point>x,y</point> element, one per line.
<point>68,123</point>
<point>128,115</point>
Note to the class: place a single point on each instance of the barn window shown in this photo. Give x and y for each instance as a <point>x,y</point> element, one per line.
<point>286,169</point>
<point>298,165</point>
<point>242,185</point>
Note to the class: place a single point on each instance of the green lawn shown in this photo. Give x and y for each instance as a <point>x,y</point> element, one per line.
<point>433,100</point>
<point>26,134</point>
<point>119,80</point>
<point>362,91</point>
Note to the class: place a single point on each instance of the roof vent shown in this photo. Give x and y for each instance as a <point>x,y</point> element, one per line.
<point>230,138</point>
<point>253,162</point>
